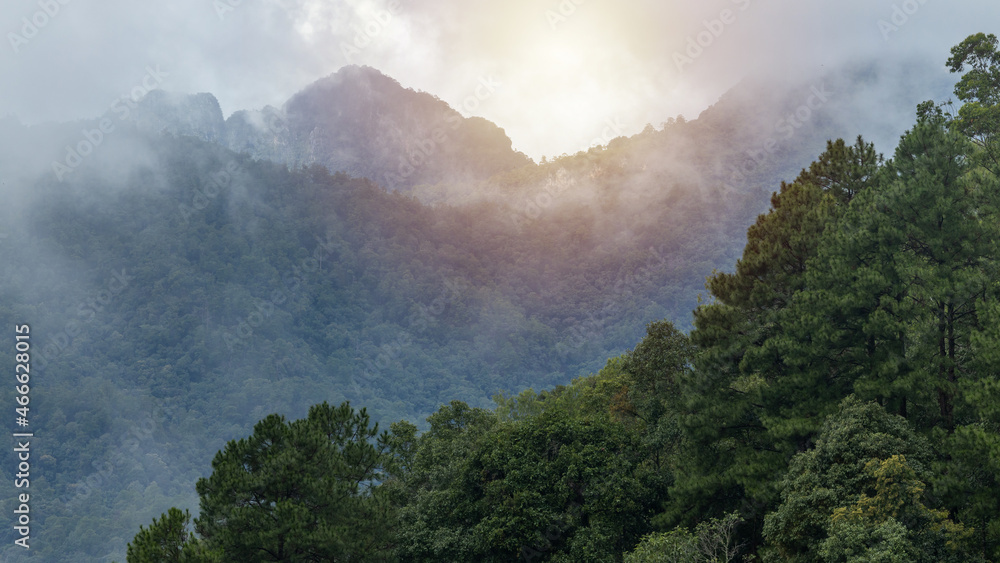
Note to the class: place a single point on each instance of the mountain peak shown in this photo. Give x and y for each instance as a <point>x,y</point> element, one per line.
<point>356,77</point>
<point>363,122</point>
<point>197,115</point>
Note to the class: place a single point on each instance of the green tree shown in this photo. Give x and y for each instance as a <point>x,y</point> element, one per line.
<point>738,438</point>
<point>730,449</point>
<point>436,520</point>
<point>676,546</point>
<point>656,367</point>
<point>655,370</point>
<point>555,488</point>
<point>843,170</point>
<point>545,485</point>
<point>967,478</point>
<point>712,541</point>
<point>895,294</point>
<point>832,475</point>
<point>894,524</point>
<point>301,491</point>
<point>168,540</point>
<point>979,88</point>
<point>603,396</point>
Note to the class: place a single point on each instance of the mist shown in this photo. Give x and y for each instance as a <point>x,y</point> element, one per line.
<point>636,62</point>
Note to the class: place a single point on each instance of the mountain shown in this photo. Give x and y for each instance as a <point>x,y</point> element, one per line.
<point>185,276</point>
<point>356,121</point>
<point>196,115</point>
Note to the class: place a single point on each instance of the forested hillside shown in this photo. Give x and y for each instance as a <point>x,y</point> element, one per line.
<point>179,292</point>
<point>836,400</point>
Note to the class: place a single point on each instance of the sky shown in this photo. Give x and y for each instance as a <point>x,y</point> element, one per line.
<point>557,75</point>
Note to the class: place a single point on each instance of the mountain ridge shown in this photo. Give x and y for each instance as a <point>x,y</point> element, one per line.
<point>356,120</point>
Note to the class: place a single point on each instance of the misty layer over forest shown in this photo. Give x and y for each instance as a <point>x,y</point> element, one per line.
<point>185,275</point>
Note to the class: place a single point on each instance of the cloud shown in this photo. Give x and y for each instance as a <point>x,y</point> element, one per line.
<point>565,67</point>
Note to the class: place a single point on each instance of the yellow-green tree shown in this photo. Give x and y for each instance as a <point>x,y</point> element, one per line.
<point>832,475</point>
<point>895,524</point>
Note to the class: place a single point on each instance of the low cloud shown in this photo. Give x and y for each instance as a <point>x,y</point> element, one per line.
<point>566,66</point>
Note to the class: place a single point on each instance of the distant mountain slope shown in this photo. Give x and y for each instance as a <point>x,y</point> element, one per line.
<point>761,132</point>
<point>183,296</point>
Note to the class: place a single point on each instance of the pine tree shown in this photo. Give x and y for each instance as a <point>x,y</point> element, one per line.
<point>168,540</point>
<point>733,452</point>
<point>300,491</point>
<point>892,298</point>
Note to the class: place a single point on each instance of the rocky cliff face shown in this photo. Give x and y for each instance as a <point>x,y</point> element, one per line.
<point>197,115</point>
<point>263,134</point>
<point>357,121</point>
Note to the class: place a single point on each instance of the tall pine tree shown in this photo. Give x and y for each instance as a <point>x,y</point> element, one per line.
<point>732,456</point>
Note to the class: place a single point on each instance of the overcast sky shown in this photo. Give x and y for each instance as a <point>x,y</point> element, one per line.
<point>552,73</point>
